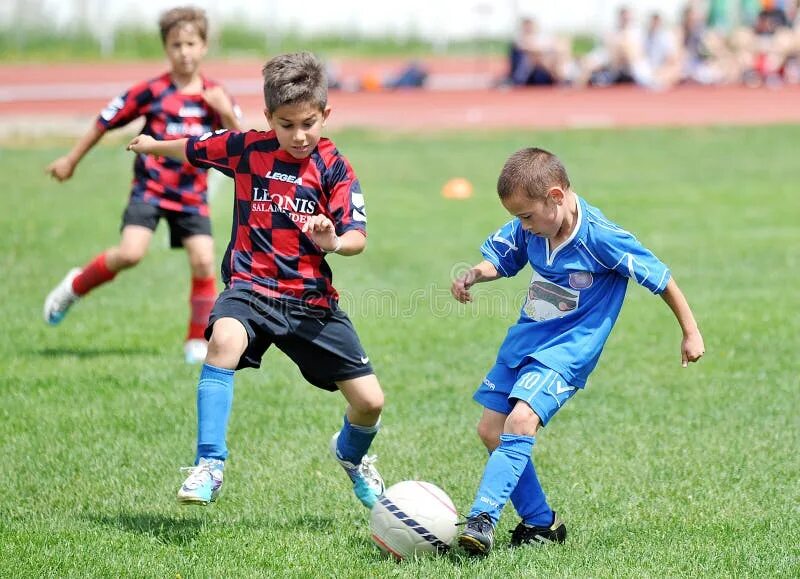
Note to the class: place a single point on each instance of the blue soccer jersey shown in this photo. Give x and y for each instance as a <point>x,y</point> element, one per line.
<point>576,291</point>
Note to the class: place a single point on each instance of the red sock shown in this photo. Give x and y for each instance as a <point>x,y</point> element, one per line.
<point>95,273</point>
<point>204,294</point>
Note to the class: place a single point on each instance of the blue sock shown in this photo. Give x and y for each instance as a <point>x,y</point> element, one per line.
<point>529,500</point>
<point>501,474</point>
<point>214,398</point>
<point>354,440</point>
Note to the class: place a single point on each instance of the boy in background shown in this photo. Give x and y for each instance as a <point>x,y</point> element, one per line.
<point>581,265</point>
<point>178,103</point>
<point>297,200</point>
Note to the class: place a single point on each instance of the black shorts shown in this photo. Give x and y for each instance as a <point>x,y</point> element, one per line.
<point>323,343</point>
<point>181,225</point>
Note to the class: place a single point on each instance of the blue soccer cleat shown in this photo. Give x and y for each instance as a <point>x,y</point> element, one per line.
<point>203,484</point>
<point>367,481</point>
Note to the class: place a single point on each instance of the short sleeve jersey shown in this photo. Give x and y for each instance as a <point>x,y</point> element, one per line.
<point>169,114</point>
<point>275,194</point>
<point>576,291</point>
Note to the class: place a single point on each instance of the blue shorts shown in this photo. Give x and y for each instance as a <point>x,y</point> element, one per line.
<point>543,389</point>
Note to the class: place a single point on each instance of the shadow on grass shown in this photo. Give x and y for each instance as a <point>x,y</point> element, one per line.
<point>85,353</point>
<point>163,528</point>
<point>178,530</point>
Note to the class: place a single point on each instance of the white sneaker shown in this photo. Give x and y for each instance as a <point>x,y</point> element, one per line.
<point>60,299</point>
<point>195,351</point>
<point>367,481</point>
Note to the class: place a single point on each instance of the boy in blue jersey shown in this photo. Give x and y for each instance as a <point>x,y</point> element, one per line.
<point>581,265</point>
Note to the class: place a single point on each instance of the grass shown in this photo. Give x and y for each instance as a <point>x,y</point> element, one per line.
<point>658,471</point>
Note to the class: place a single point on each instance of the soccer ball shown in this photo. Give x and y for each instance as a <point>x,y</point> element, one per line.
<point>413,517</point>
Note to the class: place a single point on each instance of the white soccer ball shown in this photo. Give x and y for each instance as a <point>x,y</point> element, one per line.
<point>413,517</point>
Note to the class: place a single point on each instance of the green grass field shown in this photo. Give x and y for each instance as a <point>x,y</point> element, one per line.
<point>658,471</point>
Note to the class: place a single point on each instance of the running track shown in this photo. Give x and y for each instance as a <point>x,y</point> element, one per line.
<point>63,98</point>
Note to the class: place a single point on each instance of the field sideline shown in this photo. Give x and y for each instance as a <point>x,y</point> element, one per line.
<point>657,470</point>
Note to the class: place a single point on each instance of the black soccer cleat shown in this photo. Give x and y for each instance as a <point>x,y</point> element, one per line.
<point>477,537</point>
<point>529,535</point>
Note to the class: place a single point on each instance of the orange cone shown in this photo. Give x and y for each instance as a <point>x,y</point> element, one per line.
<point>457,188</point>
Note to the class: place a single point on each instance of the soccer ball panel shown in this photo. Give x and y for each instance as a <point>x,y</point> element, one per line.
<point>413,517</point>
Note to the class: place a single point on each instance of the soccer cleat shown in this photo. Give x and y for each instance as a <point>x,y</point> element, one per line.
<point>367,481</point>
<point>203,484</point>
<point>195,351</point>
<point>477,537</point>
<point>527,534</point>
<point>60,299</point>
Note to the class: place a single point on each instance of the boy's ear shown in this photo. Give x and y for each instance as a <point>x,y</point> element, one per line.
<point>557,193</point>
<point>325,114</point>
<point>268,116</point>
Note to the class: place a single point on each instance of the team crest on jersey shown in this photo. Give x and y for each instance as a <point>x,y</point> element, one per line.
<point>580,280</point>
<point>547,300</point>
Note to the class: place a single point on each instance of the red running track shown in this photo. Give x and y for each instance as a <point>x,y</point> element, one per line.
<point>53,96</point>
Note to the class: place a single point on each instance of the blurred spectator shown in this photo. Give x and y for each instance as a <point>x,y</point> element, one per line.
<point>620,58</point>
<point>706,56</point>
<point>661,54</point>
<point>764,50</point>
<point>536,58</point>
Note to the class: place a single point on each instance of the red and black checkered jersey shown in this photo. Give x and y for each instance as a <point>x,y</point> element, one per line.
<point>169,114</point>
<point>275,195</point>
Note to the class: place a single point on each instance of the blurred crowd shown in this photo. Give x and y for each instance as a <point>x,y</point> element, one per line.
<point>712,42</point>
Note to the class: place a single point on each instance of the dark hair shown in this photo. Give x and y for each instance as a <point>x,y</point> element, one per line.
<point>183,15</point>
<point>532,171</point>
<point>294,78</point>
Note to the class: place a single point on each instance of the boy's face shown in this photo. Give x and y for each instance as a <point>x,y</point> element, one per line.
<point>541,216</point>
<point>298,127</point>
<point>185,49</point>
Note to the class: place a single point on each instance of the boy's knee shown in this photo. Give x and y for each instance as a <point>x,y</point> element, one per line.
<point>128,258</point>
<point>522,420</point>
<point>371,403</point>
<point>202,267</point>
<point>228,343</point>
<point>488,435</point>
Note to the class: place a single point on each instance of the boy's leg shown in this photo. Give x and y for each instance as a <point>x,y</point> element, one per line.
<point>101,269</point>
<point>360,425</point>
<point>229,340</point>
<point>200,250</point>
<point>537,392</point>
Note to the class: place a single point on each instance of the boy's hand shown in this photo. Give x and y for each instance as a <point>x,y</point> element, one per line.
<point>461,285</point>
<point>61,169</point>
<point>322,232</point>
<point>692,348</point>
<point>141,144</point>
<point>218,99</point>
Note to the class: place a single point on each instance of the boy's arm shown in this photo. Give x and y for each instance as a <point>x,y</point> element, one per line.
<point>149,146</point>
<point>62,168</point>
<point>484,271</point>
<point>218,99</point>
<point>692,347</point>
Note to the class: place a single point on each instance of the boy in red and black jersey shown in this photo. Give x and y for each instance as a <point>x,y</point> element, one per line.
<point>297,200</point>
<point>179,103</point>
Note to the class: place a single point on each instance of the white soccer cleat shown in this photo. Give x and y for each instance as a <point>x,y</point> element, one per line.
<point>60,299</point>
<point>367,481</point>
<point>195,351</point>
<point>203,484</point>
